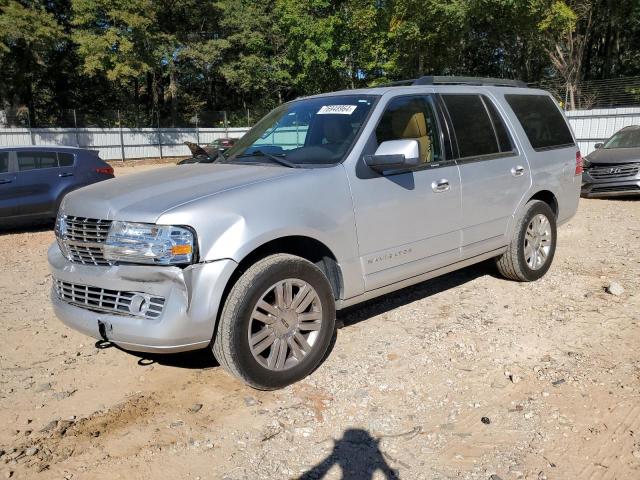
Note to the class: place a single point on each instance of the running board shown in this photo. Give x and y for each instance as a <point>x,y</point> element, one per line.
<point>340,304</point>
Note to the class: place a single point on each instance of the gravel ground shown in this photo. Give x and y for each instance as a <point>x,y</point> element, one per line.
<point>465,376</point>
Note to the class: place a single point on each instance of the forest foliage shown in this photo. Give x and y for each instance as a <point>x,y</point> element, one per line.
<point>175,58</point>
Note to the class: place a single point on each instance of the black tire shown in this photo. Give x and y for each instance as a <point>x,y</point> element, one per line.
<point>231,343</point>
<point>512,264</point>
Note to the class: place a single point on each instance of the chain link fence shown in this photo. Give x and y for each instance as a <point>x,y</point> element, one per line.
<point>595,94</point>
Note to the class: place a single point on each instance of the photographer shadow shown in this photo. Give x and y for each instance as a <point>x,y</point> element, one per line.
<point>358,455</point>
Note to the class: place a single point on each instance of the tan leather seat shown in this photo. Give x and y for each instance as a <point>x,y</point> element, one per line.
<point>412,125</point>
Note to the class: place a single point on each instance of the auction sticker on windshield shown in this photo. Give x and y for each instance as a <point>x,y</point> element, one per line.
<point>339,109</point>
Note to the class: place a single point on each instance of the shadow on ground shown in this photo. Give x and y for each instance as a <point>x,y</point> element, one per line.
<point>31,227</point>
<point>358,455</point>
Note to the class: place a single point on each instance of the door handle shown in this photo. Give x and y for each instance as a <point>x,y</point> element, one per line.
<point>517,171</point>
<point>440,186</point>
<point>5,180</point>
<point>65,174</point>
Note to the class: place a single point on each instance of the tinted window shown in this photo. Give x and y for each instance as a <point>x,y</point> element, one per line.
<point>65,159</point>
<point>472,125</point>
<point>33,160</point>
<point>541,120</point>
<point>4,162</point>
<point>411,118</point>
<point>501,132</point>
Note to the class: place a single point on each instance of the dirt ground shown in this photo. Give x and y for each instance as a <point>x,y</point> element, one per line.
<point>465,376</point>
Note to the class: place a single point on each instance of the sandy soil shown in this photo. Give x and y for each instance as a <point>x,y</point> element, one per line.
<point>553,366</point>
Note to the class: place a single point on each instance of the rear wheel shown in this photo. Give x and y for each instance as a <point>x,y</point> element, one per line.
<point>277,322</point>
<point>533,246</point>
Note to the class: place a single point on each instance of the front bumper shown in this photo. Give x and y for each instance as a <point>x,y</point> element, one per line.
<point>192,298</point>
<point>624,186</point>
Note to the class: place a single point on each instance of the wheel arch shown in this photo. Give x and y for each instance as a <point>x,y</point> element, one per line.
<point>302,246</point>
<point>547,197</point>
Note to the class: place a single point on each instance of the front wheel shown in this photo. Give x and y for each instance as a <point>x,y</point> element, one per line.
<point>277,322</point>
<point>533,246</point>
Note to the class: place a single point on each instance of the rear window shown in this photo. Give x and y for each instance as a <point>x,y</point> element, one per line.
<point>36,160</point>
<point>501,132</point>
<point>4,162</point>
<point>541,120</point>
<point>478,127</point>
<point>472,125</point>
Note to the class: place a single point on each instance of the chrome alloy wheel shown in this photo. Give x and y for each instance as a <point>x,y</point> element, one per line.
<point>537,241</point>
<point>285,324</point>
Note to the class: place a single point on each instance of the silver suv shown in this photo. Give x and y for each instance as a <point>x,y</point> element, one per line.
<point>328,201</point>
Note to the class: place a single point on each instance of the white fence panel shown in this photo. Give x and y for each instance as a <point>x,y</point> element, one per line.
<point>113,142</point>
<point>595,126</point>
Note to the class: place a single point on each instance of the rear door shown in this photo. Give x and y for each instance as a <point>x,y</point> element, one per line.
<point>7,185</point>
<point>39,180</point>
<point>494,175</point>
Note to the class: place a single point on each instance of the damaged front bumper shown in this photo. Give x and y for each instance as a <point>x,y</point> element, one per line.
<point>140,308</point>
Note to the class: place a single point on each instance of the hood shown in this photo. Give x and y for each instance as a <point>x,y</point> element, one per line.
<point>144,196</point>
<point>614,155</point>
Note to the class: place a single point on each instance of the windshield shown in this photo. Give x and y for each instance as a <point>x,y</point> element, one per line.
<point>624,139</point>
<point>314,131</point>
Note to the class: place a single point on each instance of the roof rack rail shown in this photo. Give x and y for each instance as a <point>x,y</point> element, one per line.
<point>398,83</point>
<point>442,80</point>
<point>445,80</point>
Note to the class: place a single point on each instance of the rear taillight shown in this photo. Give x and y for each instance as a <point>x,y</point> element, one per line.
<point>105,170</point>
<point>579,163</point>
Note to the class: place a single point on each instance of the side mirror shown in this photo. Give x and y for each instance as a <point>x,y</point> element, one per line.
<point>598,145</point>
<point>394,155</point>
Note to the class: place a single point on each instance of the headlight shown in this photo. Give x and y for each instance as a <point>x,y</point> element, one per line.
<point>148,243</point>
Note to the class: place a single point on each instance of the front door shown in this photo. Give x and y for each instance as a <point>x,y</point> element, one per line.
<point>407,223</point>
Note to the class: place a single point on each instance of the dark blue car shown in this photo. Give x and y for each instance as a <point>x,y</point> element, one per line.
<point>33,180</point>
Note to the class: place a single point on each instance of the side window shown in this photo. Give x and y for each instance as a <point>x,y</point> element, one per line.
<point>541,120</point>
<point>35,160</point>
<point>472,125</point>
<point>65,159</point>
<point>4,162</point>
<point>504,140</point>
<point>411,117</point>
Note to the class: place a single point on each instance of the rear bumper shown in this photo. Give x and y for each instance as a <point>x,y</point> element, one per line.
<point>192,298</point>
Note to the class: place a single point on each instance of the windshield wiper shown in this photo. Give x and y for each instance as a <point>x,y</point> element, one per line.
<point>280,160</point>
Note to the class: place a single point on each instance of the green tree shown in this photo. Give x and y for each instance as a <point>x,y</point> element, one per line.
<point>29,39</point>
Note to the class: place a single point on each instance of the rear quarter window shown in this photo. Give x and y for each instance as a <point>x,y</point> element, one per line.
<point>65,159</point>
<point>541,120</point>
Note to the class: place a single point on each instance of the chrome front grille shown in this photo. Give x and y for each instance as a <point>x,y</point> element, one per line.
<point>111,301</point>
<point>86,254</point>
<point>604,171</point>
<point>88,230</point>
<point>81,239</point>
